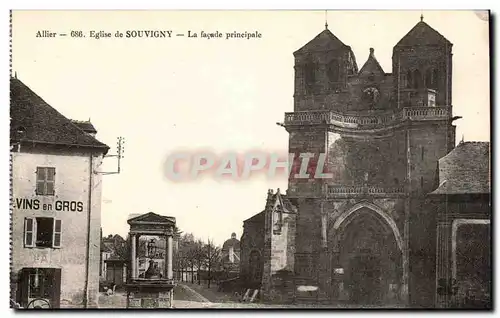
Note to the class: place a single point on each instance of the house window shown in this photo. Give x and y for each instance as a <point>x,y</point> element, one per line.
<point>422,153</point>
<point>42,232</point>
<point>45,177</point>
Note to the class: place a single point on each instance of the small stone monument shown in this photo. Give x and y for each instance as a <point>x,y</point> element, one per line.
<point>155,288</point>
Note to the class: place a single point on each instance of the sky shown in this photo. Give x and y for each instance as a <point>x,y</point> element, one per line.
<point>163,95</point>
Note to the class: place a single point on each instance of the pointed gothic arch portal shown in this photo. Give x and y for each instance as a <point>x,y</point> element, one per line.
<point>368,251</point>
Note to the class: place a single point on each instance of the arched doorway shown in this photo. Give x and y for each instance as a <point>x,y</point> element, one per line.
<point>255,269</point>
<point>368,259</point>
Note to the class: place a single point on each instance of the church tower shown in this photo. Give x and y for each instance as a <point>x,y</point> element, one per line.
<point>422,66</point>
<point>379,137</point>
<point>322,69</point>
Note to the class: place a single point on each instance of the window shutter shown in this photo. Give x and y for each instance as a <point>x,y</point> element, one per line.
<point>49,188</point>
<point>29,232</point>
<point>51,172</point>
<point>24,286</point>
<point>40,181</point>
<point>50,180</point>
<point>56,240</point>
<point>40,187</point>
<point>45,180</point>
<point>40,174</point>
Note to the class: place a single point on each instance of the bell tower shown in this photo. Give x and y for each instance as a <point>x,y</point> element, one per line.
<point>422,68</point>
<point>422,65</point>
<point>322,68</point>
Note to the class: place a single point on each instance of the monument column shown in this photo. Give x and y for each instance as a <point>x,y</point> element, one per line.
<point>133,256</point>
<point>170,248</point>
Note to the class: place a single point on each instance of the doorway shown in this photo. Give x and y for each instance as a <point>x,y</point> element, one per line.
<point>40,283</point>
<point>370,258</point>
<point>365,283</point>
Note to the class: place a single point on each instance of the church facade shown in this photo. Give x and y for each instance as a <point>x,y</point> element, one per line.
<point>360,234</point>
<point>366,234</point>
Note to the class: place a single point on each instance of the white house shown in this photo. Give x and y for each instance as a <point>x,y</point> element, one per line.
<point>56,204</point>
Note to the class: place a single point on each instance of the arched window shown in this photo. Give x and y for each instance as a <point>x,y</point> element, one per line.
<point>428,78</point>
<point>333,71</point>
<point>409,81</point>
<point>435,78</point>
<point>310,73</point>
<point>417,79</point>
<point>431,78</point>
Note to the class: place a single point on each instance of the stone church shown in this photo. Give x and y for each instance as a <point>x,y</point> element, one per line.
<point>364,235</point>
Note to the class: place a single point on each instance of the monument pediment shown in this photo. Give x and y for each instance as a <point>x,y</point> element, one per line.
<point>152,218</point>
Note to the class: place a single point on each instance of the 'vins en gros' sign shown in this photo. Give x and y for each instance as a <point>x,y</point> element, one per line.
<point>35,204</point>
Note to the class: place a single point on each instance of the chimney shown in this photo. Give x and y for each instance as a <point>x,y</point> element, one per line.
<point>86,126</point>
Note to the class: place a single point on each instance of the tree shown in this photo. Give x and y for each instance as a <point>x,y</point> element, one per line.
<point>181,255</point>
<point>121,247</point>
<point>212,255</point>
<point>188,254</point>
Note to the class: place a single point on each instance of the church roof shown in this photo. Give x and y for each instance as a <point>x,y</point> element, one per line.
<point>325,41</point>
<point>277,201</point>
<point>34,120</point>
<point>423,34</point>
<point>257,218</point>
<point>371,65</point>
<point>465,170</point>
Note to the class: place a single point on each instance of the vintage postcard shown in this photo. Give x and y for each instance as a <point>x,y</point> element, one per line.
<point>250,159</point>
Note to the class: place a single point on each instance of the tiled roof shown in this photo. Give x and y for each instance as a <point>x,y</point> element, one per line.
<point>423,34</point>
<point>277,200</point>
<point>465,170</point>
<point>34,120</point>
<point>85,126</point>
<point>259,217</point>
<point>325,41</point>
<point>371,65</point>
